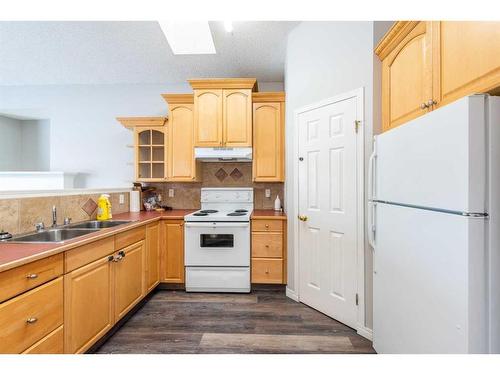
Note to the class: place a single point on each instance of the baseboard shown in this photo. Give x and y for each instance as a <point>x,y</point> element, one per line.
<point>367,333</point>
<point>292,295</point>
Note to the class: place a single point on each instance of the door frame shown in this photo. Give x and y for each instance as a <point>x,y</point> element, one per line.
<point>360,183</point>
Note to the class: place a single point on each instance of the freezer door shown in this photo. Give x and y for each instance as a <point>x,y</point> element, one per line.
<point>437,160</point>
<point>429,282</point>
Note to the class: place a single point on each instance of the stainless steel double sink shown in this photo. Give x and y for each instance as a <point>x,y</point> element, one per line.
<point>67,232</point>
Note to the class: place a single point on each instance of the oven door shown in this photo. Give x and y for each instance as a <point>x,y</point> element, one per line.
<point>217,244</point>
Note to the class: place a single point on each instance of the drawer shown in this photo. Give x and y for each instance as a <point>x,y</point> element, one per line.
<point>267,225</point>
<point>86,254</point>
<point>21,279</point>
<point>51,344</point>
<point>267,245</point>
<point>129,237</point>
<point>44,305</point>
<point>267,271</point>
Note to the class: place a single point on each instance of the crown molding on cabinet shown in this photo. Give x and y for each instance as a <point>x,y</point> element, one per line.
<point>263,97</point>
<point>133,122</point>
<point>178,98</point>
<point>224,83</point>
<point>393,37</point>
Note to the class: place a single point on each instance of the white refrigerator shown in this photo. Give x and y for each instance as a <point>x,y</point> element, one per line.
<point>434,201</point>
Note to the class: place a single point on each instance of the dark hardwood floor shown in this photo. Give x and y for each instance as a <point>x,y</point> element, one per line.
<point>265,321</point>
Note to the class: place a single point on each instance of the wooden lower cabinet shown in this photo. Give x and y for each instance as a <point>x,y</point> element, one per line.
<point>152,256</point>
<point>267,270</point>
<point>129,278</point>
<point>21,279</point>
<point>88,304</point>
<point>53,343</point>
<point>100,286</point>
<point>268,251</point>
<point>173,251</point>
<point>28,318</point>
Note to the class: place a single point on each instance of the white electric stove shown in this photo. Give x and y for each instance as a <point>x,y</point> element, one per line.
<point>217,241</point>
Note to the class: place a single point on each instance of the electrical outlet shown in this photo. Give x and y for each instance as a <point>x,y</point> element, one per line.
<point>268,193</point>
<point>121,199</point>
<point>170,193</point>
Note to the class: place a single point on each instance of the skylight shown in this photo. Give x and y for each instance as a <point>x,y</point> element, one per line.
<point>188,38</point>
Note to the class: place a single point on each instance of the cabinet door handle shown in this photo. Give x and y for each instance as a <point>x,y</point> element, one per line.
<point>32,320</point>
<point>424,106</point>
<point>431,102</point>
<point>32,276</point>
<point>267,245</point>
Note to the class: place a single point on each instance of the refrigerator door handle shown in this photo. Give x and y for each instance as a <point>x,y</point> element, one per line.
<point>372,207</point>
<point>371,172</point>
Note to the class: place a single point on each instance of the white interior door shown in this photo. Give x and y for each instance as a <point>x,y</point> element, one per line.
<point>327,197</point>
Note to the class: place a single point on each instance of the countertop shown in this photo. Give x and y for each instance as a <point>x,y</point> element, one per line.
<point>268,214</point>
<point>14,255</point>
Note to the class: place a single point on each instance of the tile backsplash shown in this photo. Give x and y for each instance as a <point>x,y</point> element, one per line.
<point>20,215</point>
<point>187,194</point>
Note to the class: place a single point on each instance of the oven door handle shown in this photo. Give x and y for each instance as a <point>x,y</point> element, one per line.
<point>217,225</point>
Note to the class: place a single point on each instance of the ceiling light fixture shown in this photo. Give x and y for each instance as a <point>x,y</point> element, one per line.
<point>228,26</point>
<point>188,38</point>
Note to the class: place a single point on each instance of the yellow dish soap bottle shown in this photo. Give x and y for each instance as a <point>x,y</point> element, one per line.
<point>104,208</point>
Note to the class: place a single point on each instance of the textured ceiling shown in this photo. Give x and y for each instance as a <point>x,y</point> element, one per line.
<point>37,53</point>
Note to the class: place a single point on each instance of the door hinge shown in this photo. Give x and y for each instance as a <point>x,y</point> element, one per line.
<point>357,299</point>
<point>357,124</point>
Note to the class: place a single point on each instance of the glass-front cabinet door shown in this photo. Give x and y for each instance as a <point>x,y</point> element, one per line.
<point>150,154</point>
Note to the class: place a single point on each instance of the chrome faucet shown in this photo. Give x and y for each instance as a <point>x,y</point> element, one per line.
<point>54,216</point>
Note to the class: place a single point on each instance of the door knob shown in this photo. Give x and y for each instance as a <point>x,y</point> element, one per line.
<point>302,218</point>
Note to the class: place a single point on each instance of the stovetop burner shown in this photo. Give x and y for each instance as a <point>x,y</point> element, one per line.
<point>200,214</point>
<point>209,211</point>
<point>236,213</point>
<point>241,210</point>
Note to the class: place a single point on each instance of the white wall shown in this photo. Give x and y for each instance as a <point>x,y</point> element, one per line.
<point>325,59</point>
<point>85,137</point>
<point>10,139</point>
<point>35,145</point>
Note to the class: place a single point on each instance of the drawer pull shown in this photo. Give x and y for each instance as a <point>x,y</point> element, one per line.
<point>267,225</point>
<point>32,276</point>
<point>267,272</point>
<point>267,245</point>
<point>32,320</point>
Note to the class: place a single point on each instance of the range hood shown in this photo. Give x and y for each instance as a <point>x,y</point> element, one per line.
<point>224,154</point>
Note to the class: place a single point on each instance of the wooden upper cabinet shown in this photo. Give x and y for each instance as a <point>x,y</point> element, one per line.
<point>268,137</point>
<point>426,65</point>
<point>237,118</point>
<point>181,165</point>
<point>406,74</point>
<point>208,118</point>
<point>149,145</point>
<point>466,59</point>
<point>223,112</point>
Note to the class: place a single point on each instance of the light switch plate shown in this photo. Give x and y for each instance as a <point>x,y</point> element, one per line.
<point>268,193</point>
<point>121,199</point>
<point>170,193</point>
